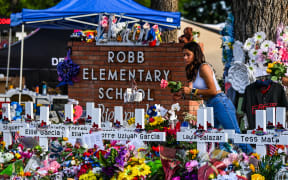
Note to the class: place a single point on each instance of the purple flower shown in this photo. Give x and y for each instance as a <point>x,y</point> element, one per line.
<point>109,171</point>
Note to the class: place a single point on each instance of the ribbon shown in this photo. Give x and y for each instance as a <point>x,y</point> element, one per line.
<point>89,117</point>
<point>43,124</point>
<point>259,128</point>
<point>200,127</point>
<point>279,126</point>
<point>209,125</point>
<point>68,119</point>
<point>28,116</point>
<point>95,125</point>
<point>270,123</point>
<point>5,118</point>
<point>139,126</point>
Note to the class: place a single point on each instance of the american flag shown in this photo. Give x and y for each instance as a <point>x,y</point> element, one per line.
<point>272,150</point>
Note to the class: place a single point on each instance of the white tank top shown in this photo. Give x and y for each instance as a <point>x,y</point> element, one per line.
<point>199,82</point>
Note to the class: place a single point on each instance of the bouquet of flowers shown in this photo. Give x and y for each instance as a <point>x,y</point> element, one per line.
<point>277,70</point>
<point>173,85</point>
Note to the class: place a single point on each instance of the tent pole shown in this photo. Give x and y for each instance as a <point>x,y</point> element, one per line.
<point>21,64</point>
<point>8,59</point>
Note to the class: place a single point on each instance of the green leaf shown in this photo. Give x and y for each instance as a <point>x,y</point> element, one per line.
<point>274,78</point>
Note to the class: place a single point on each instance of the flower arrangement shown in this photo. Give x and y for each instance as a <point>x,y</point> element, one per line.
<point>67,71</point>
<point>174,86</point>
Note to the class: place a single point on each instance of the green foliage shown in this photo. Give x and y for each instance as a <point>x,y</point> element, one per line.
<point>269,166</point>
<point>174,86</point>
<point>110,160</point>
<point>206,11</point>
<point>12,6</point>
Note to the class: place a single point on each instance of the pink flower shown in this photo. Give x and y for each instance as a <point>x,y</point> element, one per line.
<point>176,178</point>
<point>164,83</point>
<point>233,157</point>
<point>227,161</point>
<point>190,165</point>
<point>131,147</point>
<point>284,54</point>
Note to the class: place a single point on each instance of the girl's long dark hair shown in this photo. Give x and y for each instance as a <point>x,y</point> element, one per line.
<point>199,58</point>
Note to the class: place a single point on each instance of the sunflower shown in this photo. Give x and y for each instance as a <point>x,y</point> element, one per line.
<point>143,169</point>
<point>128,174</point>
<point>257,177</point>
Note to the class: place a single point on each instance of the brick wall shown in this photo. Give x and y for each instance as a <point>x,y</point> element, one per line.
<point>93,58</point>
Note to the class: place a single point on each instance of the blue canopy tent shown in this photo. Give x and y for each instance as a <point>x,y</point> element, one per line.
<point>82,14</point>
<point>86,14</point>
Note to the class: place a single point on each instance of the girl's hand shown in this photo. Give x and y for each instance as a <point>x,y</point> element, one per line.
<point>187,90</point>
<point>178,95</point>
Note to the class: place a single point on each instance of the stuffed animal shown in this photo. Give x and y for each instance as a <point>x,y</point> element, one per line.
<point>90,35</point>
<point>117,28</point>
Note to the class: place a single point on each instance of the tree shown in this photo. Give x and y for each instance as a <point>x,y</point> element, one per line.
<point>12,6</point>
<point>258,15</point>
<point>205,11</point>
<point>171,6</point>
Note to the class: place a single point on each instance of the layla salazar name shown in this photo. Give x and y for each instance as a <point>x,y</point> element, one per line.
<point>208,138</point>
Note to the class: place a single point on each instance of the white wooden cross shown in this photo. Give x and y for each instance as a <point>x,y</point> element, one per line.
<point>29,114</point>
<point>118,114</point>
<point>260,141</point>
<point>139,118</point>
<point>45,130</point>
<point>189,135</point>
<point>7,126</point>
<point>7,137</point>
<point>68,109</point>
<point>44,117</point>
<point>89,108</point>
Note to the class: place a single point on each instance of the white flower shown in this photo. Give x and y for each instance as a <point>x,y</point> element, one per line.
<point>259,36</point>
<point>175,107</point>
<point>85,146</point>
<point>249,44</point>
<point>266,45</point>
<point>253,54</point>
<point>285,29</point>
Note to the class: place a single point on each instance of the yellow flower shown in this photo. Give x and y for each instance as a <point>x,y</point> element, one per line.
<point>257,156</point>
<point>268,70</point>
<point>236,163</point>
<point>270,65</point>
<point>65,139</point>
<point>128,174</point>
<point>131,120</point>
<point>21,173</point>
<point>83,177</point>
<point>17,155</point>
<point>252,167</point>
<point>3,143</point>
<point>257,177</point>
<point>143,169</point>
<point>146,116</point>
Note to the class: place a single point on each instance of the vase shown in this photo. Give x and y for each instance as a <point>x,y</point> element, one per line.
<point>285,81</point>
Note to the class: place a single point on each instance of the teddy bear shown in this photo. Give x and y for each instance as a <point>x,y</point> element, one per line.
<point>116,29</point>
